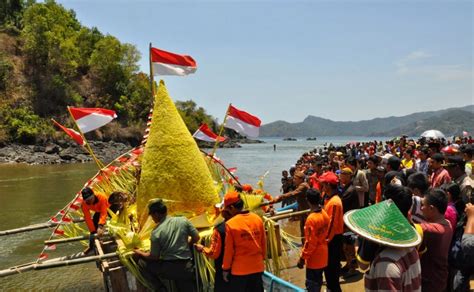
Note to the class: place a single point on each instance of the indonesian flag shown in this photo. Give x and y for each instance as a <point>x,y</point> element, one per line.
<point>242,122</point>
<point>89,119</point>
<point>166,63</point>
<point>73,134</point>
<point>206,134</point>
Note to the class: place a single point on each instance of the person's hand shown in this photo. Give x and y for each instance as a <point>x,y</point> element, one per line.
<point>300,263</point>
<point>198,247</point>
<point>100,231</point>
<point>225,276</point>
<point>469,210</point>
<point>276,199</point>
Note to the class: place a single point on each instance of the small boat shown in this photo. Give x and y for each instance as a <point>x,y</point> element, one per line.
<point>289,139</point>
<point>311,139</point>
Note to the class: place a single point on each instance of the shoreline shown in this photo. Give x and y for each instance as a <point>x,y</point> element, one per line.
<point>65,152</point>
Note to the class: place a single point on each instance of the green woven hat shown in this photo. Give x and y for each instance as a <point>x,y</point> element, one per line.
<point>383,223</point>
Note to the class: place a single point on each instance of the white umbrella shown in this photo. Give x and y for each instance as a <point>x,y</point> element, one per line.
<point>435,134</point>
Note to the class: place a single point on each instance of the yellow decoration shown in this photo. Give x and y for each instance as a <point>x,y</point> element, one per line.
<point>173,167</point>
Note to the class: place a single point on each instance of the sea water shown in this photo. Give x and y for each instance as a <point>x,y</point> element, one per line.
<point>32,194</point>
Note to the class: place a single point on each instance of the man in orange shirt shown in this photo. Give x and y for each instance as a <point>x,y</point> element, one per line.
<point>333,207</point>
<point>215,252</point>
<point>98,203</point>
<point>315,250</point>
<point>245,247</point>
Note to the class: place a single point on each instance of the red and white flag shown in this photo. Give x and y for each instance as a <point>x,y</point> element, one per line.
<point>206,134</point>
<point>242,122</point>
<point>89,119</point>
<point>50,247</point>
<point>465,134</point>
<point>166,63</point>
<point>71,133</point>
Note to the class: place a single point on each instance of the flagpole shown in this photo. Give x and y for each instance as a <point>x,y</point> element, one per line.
<point>220,131</point>
<point>87,146</point>
<point>152,81</point>
<point>85,143</point>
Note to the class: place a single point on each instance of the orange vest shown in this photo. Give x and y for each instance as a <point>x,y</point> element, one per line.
<point>315,250</point>
<point>245,245</point>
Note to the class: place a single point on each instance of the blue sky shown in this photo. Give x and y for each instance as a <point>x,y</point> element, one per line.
<point>284,60</point>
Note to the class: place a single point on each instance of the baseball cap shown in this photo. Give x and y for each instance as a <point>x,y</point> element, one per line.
<point>329,177</point>
<point>231,198</point>
<point>346,170</point>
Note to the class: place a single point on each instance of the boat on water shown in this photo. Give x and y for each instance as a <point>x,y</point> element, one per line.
<point>170,166</point>
<point>311,139</point>
<point>290,139</point>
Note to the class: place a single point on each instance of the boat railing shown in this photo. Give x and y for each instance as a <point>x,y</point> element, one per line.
<point>272,283</point>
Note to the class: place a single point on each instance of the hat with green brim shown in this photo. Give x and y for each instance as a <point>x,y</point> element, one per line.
<point>384,224</point>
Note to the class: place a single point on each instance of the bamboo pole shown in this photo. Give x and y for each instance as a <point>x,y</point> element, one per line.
<point>220,131</point>
<point>35,227</point>
<point>152,79</point>
<point>54,264</point>
<point>292,214</point>
<point>71,239</point>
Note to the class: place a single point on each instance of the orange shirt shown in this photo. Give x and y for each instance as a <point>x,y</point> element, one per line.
<point>378,193</point>
<point>245,245</point>
<point>333,207</point>
<point>214,250</point>
<point>100,206</point>
<point>315,250</point>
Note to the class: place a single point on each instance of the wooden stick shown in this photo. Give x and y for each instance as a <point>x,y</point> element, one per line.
<point>35,227</point>
<point>70,239</point>
<point>292,214</point>
<point>54,264</point>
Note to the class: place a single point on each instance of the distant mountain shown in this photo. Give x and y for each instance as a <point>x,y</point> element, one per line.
<point>450,121</point>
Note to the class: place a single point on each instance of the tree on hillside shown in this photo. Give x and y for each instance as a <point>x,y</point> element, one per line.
<point>193,116</point>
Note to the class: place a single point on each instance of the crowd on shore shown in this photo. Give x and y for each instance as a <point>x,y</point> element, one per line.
<point>431,183</point>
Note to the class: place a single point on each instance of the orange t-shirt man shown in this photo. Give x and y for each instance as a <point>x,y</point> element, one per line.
<point>99,205</point>
<point>245,245</point>
<point>333,207</point>
<point>315,250</point>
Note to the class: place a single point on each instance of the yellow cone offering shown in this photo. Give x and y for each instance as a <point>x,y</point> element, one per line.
<point>173,168</point>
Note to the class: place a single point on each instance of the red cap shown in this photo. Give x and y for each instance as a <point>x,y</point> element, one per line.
<point>329,177</point>
<point>247,188</point>
<point>231,198</point>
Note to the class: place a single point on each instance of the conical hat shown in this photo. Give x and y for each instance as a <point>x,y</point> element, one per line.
<point>383,223</point>
<point>173,168</point>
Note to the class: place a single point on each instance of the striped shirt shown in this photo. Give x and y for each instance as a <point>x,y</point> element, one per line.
<point>394,269</point>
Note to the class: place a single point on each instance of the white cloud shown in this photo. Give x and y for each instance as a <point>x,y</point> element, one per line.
<point>412,64</point>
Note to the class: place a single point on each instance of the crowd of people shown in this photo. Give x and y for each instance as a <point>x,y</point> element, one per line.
<point>431,183</point>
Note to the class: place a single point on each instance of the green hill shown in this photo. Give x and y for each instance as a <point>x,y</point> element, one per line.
<point>49,61</point>
<point>453,121</point>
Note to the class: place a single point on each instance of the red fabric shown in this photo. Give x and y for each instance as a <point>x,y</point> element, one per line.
<point>244,116</point>
<point>160,56</point>
<point>78,112</point>
<point>73,134</point>
<point>204,128</point>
